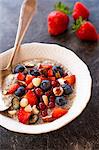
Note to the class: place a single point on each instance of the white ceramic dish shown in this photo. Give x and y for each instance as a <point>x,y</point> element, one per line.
<point>68,59</point>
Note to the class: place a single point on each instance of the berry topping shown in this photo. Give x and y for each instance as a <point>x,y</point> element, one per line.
<point>29,78</point>
<point>45,85</point>
<point>20,91</point>
<point>44,113</point>
<point>58,112</point>
<point>20,76</point>
<point>58,71</point>
<point>34,72</point>
<point>23,116</point>
<point>38,92</point>
<point>52,98</point>
<point>13,88</point>
<point>60,100</point>
<point>19,68</point>
<point>67,89</point>
<point>31,96</point>
<point>51,104</point>
<point>42,106</point>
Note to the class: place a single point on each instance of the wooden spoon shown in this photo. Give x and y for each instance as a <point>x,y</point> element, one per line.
<point>26,13</point>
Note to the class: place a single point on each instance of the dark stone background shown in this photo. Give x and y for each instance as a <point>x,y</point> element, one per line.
<point>83,132</point>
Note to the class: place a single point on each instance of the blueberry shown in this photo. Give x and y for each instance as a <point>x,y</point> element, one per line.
<point>20,91</point>
<point>60,100</point>
<point>67,89</point>
<point>58,71</point>
<point>34,72</point>
<point>19,68</point>
<point>45,85</point>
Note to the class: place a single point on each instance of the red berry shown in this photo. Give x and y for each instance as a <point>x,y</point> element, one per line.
<point>38,91</point>
<point>87,32</point>
<point>20,76</point>
<point>48,93</point>
<point>23,116</point>
<point>50,73</point>
<point>29,86</point>
<point>13,88</point>
<point>80,10</point>
<point>54,83</point>
<point>42,106</point>
<point>51,104</point>
<point>70,79</point>
<point>31,96</point>
<point>52,98</point>
<point>29,78</point>
<point>57,22</point>
<point>58,112</point>
<point>46,66</point>
<point>52,78</point>
<point>44,113</point>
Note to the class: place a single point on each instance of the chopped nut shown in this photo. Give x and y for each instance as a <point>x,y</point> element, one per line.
<point>45,99</point>
<point>23,102</point>
<point>4,92</point>
<point>35,110</point>
<point>12,112</point>
<point>36,81</point>
<point>61,81</point>
<point>58,91</point>
<point>28,108</point>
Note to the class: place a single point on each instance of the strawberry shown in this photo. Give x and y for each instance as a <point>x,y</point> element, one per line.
<point>20,76</point>
<point>58,20</point>
<point>58,112</point>
<point>31,96</point>
<point>70,79</point>
<point>29,78</point>
<point>13,88</point>
<point>23,116</point>
<point>29,86</point>
<point>52,78</point>
<point>80,10</point>
<point>85,30</point>
<point>42,77</point>
<point>46,66</point>
<point>50,73</point>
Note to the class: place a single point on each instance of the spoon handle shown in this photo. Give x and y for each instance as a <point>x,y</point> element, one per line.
<point>27,11</point>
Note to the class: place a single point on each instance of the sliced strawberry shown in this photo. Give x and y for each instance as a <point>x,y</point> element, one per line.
<point>29,86</point>
<point>52,78</point>
<point>42,77</point>
<point>23,116</point>
<point>29,78</point>
<point>50,73</point>
<point>13,88</point>
<point>31,96</point>
<point>70,79</point>
<point>46,66</point>
<point>58,112</point>
<point>20,76</point>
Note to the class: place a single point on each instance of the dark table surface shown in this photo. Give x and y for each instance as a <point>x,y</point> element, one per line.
<point>83,132</point>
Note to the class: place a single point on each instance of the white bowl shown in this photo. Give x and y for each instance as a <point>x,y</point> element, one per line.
<point>68,59</point>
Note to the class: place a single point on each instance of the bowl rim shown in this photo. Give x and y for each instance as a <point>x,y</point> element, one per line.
<point>48,127</point>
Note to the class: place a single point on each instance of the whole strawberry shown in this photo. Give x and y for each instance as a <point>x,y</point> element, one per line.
<point>80,10</point>
<point>58,20</point>
<point>85,30</point>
